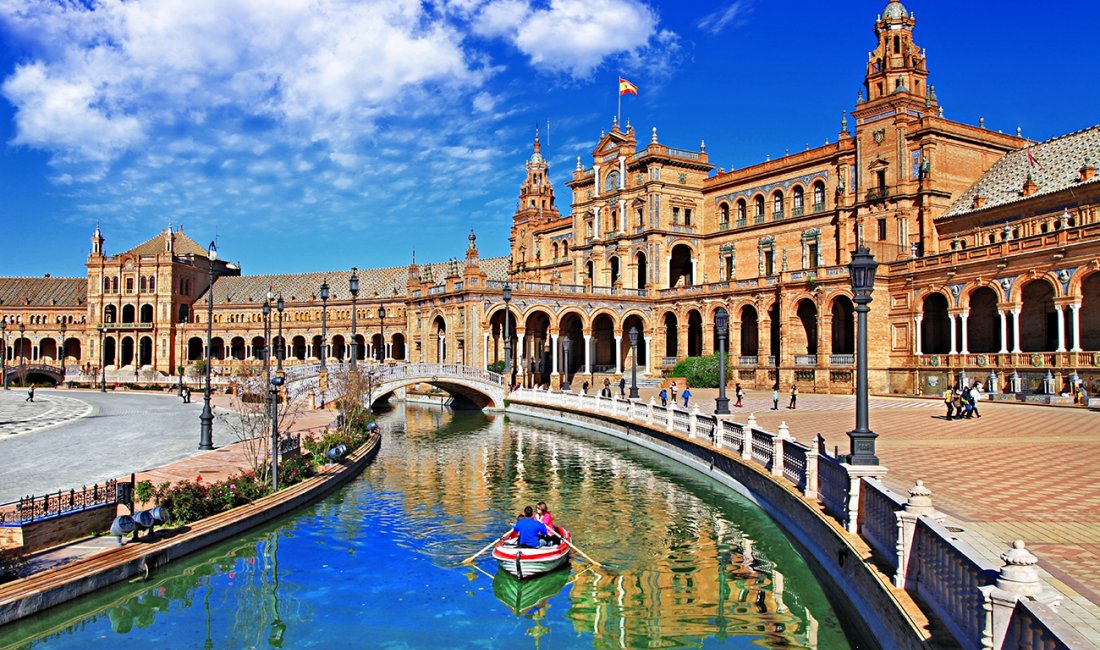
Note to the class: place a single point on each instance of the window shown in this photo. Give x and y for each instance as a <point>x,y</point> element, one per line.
<point>152,283</point>
<point>724,214</point>
<point>612,182</point>
<point>777,205</point>
<point>819,196</point>
<point>741,212</point>
<point>759,206</point>
<point>811,255</point>
<point>769,262</point>
<point>880,176</point>
<point>144,284</point>
<point>882,229</point>
<point>798,199</point>
<point>687,216</point>
<point>729,267</point>
<point>675,216</point>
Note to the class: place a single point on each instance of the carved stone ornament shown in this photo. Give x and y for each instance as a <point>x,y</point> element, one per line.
<point>879,136</point>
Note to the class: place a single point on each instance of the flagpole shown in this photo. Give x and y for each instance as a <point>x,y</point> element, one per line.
<point>619,113</point>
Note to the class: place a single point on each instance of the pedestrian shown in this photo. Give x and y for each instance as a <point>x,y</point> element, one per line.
<point>739,393</point>
<point>584,387</point>
<point>968,402</point>
<point>30,394</point>
<point>794,397</point>
<point>622,386</point>
<point>976,395</point>
<point>187,395</point>
<point>687,395</point>
<point>664,397</point>
<point>949,400</point>
<point>606,387</point>
<point>672,392</point>
<point>775,397</point>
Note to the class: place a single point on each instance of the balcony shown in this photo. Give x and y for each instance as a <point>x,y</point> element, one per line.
<point>819,207</point>
<point>805,359</point>
<point>742,222</point>
<point>877,193</point>
<point>725,225</point>
<point>797,212</point>
<point>758,219</point>
<point>114,327</point>
<point>842,359</point>
<point>747,360</point>
<point>778,214</point>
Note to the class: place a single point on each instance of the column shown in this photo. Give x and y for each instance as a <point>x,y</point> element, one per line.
<point>1061,329</point>
<point>587,354</point>
<point>695,271</point>
<point>439,350</point>
<point>963,318</point>
<point>622,173</point>
<point>596,225</point>
<point>1004,330</point>
<point>618,354</point>
<point>596,177</point>
<point>954,346</point>
<point>520,360</point>
<point>622,215</point>
<point>1016,331</point>
<point>1076,316</point>
<point>916,334</point>
<point>553,354</point>
<point>647,356</point>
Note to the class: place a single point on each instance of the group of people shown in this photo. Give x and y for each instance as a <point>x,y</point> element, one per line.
<point>535,527</point>
<point>664,395</point>
<point>963,403</point>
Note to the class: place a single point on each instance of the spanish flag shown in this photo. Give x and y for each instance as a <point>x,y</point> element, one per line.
<point>627,88</point>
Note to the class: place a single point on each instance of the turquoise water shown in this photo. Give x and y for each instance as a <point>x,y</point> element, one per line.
<point>685,563</point>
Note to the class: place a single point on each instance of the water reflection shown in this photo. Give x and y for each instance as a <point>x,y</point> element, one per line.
<point>684,563</point>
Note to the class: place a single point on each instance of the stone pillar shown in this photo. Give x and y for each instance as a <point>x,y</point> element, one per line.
<point>622,173</point>
<point>963,318</point>
<point>649,411</point>
<point>916,334</point>
<point>746,438</point>
<point>670,411</point>
<point>1004,330</point>
<point>1076,317</point>
<point>784,433</point>
<point>1016,331</point>
<point>596,192</point>
<point>918,505</point>
<point>954,344</point>
<point>811,468</point>
<point>588,354</point>
<point>856,474</point>
<point>1018,580</point>
<point>485,351</point>
<point>693,421</point>
<point>519,355</point>
<point>618,354</point>
<point>553,355</point>
<point>595,229</point>
<point>695,271</point>
<point>1061,328</point>
<point>622,216</point>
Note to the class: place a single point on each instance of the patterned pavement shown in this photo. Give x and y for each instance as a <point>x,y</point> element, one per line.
<point>47,410</point>
<point>1019,472</point>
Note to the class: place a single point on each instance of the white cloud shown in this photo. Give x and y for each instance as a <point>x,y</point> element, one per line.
<point>733,13</point>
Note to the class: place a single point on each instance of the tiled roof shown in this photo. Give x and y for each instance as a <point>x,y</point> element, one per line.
<point>1057,167</point>
<point>304,287</point>
<point>183,245</point>
<point>42,292</point>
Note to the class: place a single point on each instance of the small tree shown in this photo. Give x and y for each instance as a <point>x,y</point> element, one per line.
<point>250,422</point>
<point>701,372</point>
<point>352,389</point>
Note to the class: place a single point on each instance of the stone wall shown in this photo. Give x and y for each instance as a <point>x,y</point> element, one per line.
<point>51,531</point>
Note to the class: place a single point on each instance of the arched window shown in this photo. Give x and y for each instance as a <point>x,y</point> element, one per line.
<point>741,212</point>
<point>106,285</point>
<point>152,283</point>
<point>612,182</point>
<point>144,284</point>
<point>114,285</point>
<point>759,205</point>
<point>798,200</point>
<point>819,196</point>
<point>565,249</point>
<point>129,285</point>
<point>724,214</point>
<point>777,205</point>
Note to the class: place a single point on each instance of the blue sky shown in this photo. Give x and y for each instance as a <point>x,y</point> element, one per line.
<point>311,136</point>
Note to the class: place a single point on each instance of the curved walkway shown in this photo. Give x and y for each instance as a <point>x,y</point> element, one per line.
<point>1018,472</point>
<point>48,410</point>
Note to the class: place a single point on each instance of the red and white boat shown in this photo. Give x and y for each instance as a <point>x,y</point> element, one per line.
<point>523,562</point>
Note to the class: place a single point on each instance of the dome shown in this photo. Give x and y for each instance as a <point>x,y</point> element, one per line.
<point>894,11</point>
<point>536,159</point>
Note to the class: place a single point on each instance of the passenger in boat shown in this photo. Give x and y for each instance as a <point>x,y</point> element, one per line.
<point>530,530</point>
<point>542,513</point>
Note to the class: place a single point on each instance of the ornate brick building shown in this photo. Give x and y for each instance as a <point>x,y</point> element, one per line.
<point>989,244</point>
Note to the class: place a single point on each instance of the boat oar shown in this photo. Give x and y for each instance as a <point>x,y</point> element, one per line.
<point>572,546</point>
<point>487,547</point>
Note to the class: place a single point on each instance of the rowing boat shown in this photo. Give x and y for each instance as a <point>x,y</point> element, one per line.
<point>524,562</point>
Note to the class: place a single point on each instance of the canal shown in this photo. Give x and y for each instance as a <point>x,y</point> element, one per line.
<point>684,561</point>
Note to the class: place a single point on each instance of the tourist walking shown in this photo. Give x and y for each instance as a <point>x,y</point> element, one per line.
<point>672,392</point>
<point>664,397</point>
<point>775,397</point>
<point>622,386</point>
<point>976,396</point>
<point>686,395</point>
<point>739,393</point>
<point>949,400</point>
<point>794,397</point>
<point>584,387</point>
<point>30,394</point>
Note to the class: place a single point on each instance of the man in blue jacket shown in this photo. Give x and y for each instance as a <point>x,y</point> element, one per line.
<point>531,530</point>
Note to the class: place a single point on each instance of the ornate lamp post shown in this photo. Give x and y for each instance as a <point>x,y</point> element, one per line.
<point>102,361</point>
<point>634,362</point>
<point>61,347</point>
<point>276,382</point>
<point>861,271</point>
<point>324,324</point>
<point>382,354</point>
<point>179,361</point>
<point>280,352</point>
<point>566,343</point>
<point>353,287</point>
<point>370,391</point>
<point>206,418</point>
<point>22,355</point>
<point>266,311</point>
<point>721,327</point>
<point>4,356</point>
<point>507,332</point>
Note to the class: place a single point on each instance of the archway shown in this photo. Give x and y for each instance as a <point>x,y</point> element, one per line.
<point>258,348</point>
<point>145,351</point>
<point>631,322</point>
<point>71,349</point>
<point>750,332</point>
<point>236,348</point>
<point>110,314</point>
<point>695,333</point>
<point>126,347</point>
<point>641,264</point>
<point>1089,313</point>
<point>983,325</point>
<point>672,330</point>
<point>399,347</point>
<point>807,334</point>
<point>613,267</point>
<point>536,348</point>
<point>571,328</point>
<point>680,267</point>
<point>339,348</point>
<point>438,340</point>
<point>843,334</point>
<point>147,313</point>
<point>1038,318</point>
<point>217,348</point>
<point>935,326</point>
<point>109,351</point>
<point>194,348</point>
<point>298,348</point>
<point>603,344</point>
<point>128,313</point>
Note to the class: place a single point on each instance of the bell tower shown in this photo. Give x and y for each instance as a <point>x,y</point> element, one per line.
<point>535,209</point>
<point>896,70</point>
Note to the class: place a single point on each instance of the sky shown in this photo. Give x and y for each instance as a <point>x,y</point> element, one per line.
<point>324,134</point>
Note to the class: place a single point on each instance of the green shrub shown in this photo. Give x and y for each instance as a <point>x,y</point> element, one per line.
<point>700,372</point>
<point>496,366</point>
<point>11,565</point>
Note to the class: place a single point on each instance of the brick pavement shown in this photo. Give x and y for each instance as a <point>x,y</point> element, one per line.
<point>1019,472</point>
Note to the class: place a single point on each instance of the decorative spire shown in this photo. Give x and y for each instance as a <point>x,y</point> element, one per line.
<point>653,138</point>
<point>844,121</point>
<point>472,239</point>
<point>703,146</point>
<point>579,168</point>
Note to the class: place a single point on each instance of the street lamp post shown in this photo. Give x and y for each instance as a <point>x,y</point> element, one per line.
<point>280,352</point>
<point>266,311</point>
<point>353,287</point>
<point>4,356</point>
<point>22,355</point>
<point>382,356</point>
<point>179,362</point>
<point>276,382</point>
<point>721,327</point>
<point>206,418</point>
<point>102,360</point>
<point>566,344</point>
<point>634,362</point>
<point>62,349</point>
<point>370,390</point>
<point>324,324</point>
<point>861,271</point>
<point>507,332</point>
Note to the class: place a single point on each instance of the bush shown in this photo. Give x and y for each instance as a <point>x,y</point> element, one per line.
<point>496,366</point>
<point>189,501</point>
<point>11,565</point>
<point>700,372</point>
